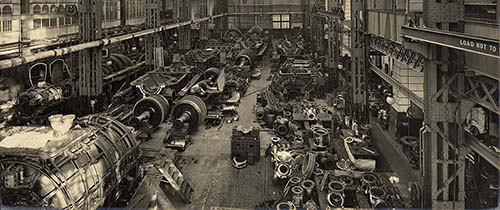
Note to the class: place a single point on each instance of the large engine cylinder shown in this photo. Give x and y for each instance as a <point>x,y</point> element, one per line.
<point>37,99</point>
<point>80,170</point>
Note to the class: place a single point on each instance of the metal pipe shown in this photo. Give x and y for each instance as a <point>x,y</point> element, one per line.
<point>421,145</point>
<point>13,62</point>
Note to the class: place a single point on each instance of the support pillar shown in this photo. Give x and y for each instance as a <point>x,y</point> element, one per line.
<point>90,60</point>
<point>359,62</point>
<point>153,50</point>
<point>185,31</point>
<point>444,150</point>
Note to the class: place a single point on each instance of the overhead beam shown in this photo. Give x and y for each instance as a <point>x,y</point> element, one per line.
<point>331,14</point>
<point>418,101</point>
<point>477,45</point>
<point>488,154</point>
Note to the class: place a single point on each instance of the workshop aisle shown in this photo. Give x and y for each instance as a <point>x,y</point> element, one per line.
<point>207,162</point>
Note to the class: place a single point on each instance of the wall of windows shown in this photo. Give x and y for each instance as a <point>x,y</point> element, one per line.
<point>49,22</point>
<point>136,8</point>
<point>111,10</point>
<point>281,21</point>
<point>6,25</point>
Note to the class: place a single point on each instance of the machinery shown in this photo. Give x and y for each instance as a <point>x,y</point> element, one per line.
<point>80,168</point>
<point>189,112</point>
<point>297,79</point>
<point>150,112</point>
<point>51,89</point>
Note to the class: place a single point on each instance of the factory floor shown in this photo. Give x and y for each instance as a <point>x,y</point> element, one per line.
<point>207,163</point>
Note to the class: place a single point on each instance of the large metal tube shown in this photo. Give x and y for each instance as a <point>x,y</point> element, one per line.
<point>80,170</point>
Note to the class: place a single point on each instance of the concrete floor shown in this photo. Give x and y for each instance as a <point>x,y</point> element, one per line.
<point>207,163</point>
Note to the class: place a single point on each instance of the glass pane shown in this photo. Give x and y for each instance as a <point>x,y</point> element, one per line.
<point>285,25</point>
<point>37,23</point>
<point>276,17</point>
<point>53,22</point>
<point>285,17</point>
<point>276,25</point>
<point>45,23</point>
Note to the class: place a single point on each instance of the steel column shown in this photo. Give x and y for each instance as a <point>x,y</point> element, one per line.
<point>153,49</point>
<point>444,151</point>
<point>185,31</point>
<point>360,58</point>
<point>90,60</point>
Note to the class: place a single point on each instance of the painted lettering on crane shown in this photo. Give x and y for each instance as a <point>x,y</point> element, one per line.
<point>484,47</point>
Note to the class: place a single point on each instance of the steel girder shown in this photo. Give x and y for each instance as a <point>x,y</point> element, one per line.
<point>153,49</point>
<point>483,91</point>
<point>418,101</point>
<point>359,53</point>
<point>398,52</point>
<point>444,146</point>
<point>90,75</point>
<point>185,31</point>
<point>335,21</point>
<point>459,41</point>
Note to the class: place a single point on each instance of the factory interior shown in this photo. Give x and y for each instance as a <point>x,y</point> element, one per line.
<point>249,104</point>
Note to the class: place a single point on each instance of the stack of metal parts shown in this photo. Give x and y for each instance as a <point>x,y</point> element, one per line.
<point>245,145</point>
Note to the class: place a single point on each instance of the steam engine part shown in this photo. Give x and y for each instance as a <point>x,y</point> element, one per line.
<point>283,171</point>
<point>318,172</point>
<point>190,110</point>
<point>281,126</point>
<point>245,57</point>
<point>37,99</point>
<point>80,170</point>
<point>309,113</point>
<point>377,196</point>
<point>297,195</point>
<point>295,181</point>
<point>308,186</point>
<point>286,205</point>
<point>320,136</point>
<point>245,143</point>
<point>346,180</point>
<point>165,81</point>
<point>232,35</point>
<point>369,180</point>
<point>335,200</point>
<point>336,186</point>
<point>150,112</point>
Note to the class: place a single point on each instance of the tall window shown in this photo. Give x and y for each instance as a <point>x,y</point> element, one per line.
<point>37,23</point>
<point>281,21</point>
<point>7,26</point>
<point>110,9</point>
<point>53,22</point>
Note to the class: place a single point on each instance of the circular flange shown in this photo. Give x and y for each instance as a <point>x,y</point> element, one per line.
<point>158,107</point>
<point>194,106</point>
